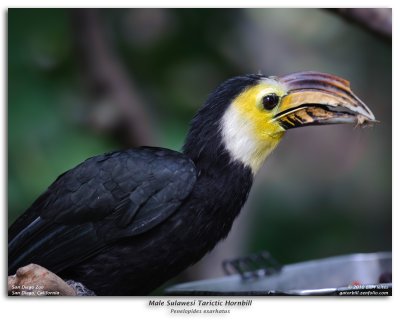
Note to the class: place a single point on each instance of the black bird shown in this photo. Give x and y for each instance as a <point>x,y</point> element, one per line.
<point>124,222</point>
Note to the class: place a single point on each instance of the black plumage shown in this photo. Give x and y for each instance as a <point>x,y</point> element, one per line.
<point>125,222</point>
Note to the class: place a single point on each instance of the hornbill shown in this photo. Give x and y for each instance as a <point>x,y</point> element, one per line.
<point>125,222</point>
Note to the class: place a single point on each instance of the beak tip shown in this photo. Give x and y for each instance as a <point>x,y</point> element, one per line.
<point>362,121</point>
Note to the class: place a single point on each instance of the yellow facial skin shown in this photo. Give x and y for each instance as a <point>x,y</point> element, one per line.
<point>249,104</point>
<point>256,134</point>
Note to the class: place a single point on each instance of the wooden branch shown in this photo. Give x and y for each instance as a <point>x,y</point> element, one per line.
<point>34,280</point>
<point>375,20</point>
<point>108,80</point>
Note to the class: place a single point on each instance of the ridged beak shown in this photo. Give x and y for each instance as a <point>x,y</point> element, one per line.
<point>315,98</point>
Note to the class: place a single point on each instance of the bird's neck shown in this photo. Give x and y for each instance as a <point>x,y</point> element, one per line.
<point>224,181</point>
<point>222,189</point>
<point>217,169</point>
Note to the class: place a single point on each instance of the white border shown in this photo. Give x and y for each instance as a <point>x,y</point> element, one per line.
<point>265,308</point>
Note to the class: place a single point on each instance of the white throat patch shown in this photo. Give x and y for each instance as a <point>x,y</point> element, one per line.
<point>241,142</point>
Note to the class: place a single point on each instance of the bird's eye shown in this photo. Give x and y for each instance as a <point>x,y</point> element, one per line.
<point>270,101</point>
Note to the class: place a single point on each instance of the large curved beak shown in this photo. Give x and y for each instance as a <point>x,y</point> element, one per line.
<point>315,98</point>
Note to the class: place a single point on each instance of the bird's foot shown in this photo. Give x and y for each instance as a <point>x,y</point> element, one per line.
<point>80,288</point>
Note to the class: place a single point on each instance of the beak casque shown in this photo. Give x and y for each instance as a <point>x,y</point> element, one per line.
<point>315,98</point>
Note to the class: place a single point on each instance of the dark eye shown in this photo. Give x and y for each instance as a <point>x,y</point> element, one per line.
<point>270,101</point>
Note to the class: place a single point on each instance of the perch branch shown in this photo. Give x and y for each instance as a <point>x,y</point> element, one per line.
<point>34,280</point>
<point>375,20</point>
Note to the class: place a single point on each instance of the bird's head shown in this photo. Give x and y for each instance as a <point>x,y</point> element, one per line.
<point>247,116</point>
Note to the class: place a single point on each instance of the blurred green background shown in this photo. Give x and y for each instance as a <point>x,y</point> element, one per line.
<point>325,191</point>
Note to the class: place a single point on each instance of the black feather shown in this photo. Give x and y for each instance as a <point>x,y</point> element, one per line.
<point>67,216</point>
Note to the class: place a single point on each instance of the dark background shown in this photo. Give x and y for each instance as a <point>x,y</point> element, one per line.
<point>83,83</point>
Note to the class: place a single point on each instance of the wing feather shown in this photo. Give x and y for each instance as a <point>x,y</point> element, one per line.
<point>102,200</point>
